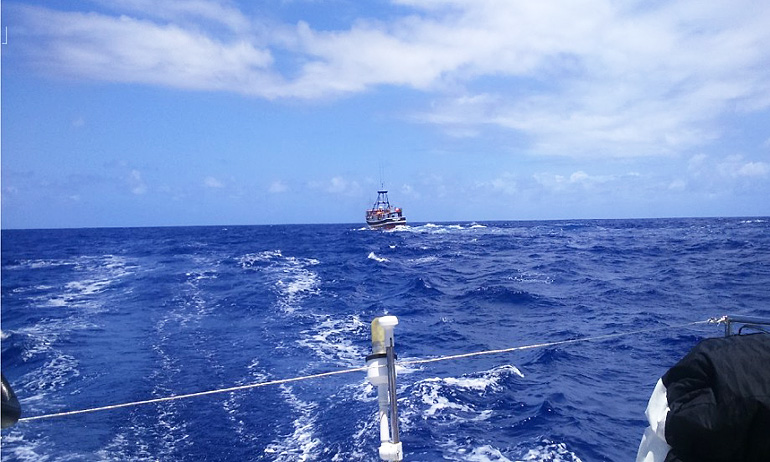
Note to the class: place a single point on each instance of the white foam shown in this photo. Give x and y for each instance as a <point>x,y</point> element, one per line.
<point>439,402</point>
<point>232,405</point>
<point>87,287</point>
<point>486,453</point>
<point>293,280</point>
<point>248,260</point>
<point>301,445</point>
<point>39,264</point>
<point>555,452</point>
<point>14,443</point>
<point>373,256</point>
<point>332,339</point>
<point>57,371</point>
<point>532,277</point>
<point>488,379</point>
<point>424,260</point>
<point>296,286</point>
<point>99,273</point>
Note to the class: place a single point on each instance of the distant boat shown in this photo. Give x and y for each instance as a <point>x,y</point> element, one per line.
<point>382,215</point>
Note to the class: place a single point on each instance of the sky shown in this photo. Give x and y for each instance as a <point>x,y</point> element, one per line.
<point>228,112</point>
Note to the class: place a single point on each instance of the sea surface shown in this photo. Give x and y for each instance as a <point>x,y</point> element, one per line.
<point>94,317</point>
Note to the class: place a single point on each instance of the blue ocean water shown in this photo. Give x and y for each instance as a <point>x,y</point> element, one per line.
<point>92,317</point>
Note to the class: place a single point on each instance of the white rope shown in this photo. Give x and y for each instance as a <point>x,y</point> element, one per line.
<point>361,369</point>
<point>550,344</point>
<point>193,395</point>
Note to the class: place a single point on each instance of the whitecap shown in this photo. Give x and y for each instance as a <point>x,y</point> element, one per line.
<point>489,379</point>
<point>332,339</point>
<point>424,260</point>
<point>302,443</point>
<point>373,256</point>
<point>532,277</point>
<point>486,453</point>
<point>14,443</point>
<point>438,401</point>
<point>556,452</point>
<point>293,281</point>
<point>248,260</point>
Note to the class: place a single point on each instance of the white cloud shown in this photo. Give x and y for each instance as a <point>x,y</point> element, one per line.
<point>126,49</point>
<point>582,181</point>
<point>506,183</point>
<point>409,191</point>
<point>677,185</point>
<point>578,78</point>
<point>211,182</point>
<point>579,177</point>
<point>136,183</point>
<point>697,163</point>
<point>735,167</point>
<point>754,169</point>
<point>184,11</point>
<point>338,185</point>
<point>277,187</point>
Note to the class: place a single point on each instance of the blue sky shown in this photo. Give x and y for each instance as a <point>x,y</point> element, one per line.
<point>202,112</point>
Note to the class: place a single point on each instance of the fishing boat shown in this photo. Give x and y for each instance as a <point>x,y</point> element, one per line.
<point>382,215</point>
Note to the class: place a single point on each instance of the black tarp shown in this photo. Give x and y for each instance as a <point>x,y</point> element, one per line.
<point>719,401</point>
<point>11,409</point>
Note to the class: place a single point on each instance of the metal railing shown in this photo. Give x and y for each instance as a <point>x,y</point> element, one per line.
<point>745,322</point>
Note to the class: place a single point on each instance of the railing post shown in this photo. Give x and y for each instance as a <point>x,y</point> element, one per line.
<point>381,372</point>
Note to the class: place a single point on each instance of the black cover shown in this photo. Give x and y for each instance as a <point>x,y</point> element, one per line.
<point>11,409</point>
<point>719,400</point>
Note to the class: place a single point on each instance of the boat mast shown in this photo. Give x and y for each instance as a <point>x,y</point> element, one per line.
<point>382,202</point>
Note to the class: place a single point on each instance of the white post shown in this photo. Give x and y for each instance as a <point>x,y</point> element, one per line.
<point>381,372</point>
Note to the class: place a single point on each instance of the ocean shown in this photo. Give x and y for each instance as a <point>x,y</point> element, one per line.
<point>95,317</point>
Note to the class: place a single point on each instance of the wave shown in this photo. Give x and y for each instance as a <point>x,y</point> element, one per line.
<point>550,451</point>
<point>23,450</point>
<point>424,260</point>
<point>331,339</point>
<point>541,451</point>
<point>292,278</point>
<point>456,399</point>
<point>482,381</point>
<point>498,294</point>
<point>302,443</point>
<point>421,287</point>
<point>373,256</point>
<point>532,277</point>
<point>262,303</point>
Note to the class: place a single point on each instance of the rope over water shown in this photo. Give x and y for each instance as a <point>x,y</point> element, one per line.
<point>361,369</point>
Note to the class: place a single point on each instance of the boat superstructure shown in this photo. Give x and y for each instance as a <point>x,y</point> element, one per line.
<point>382,215</point>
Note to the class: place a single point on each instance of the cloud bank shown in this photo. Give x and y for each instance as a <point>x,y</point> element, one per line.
<point>577,78</point>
